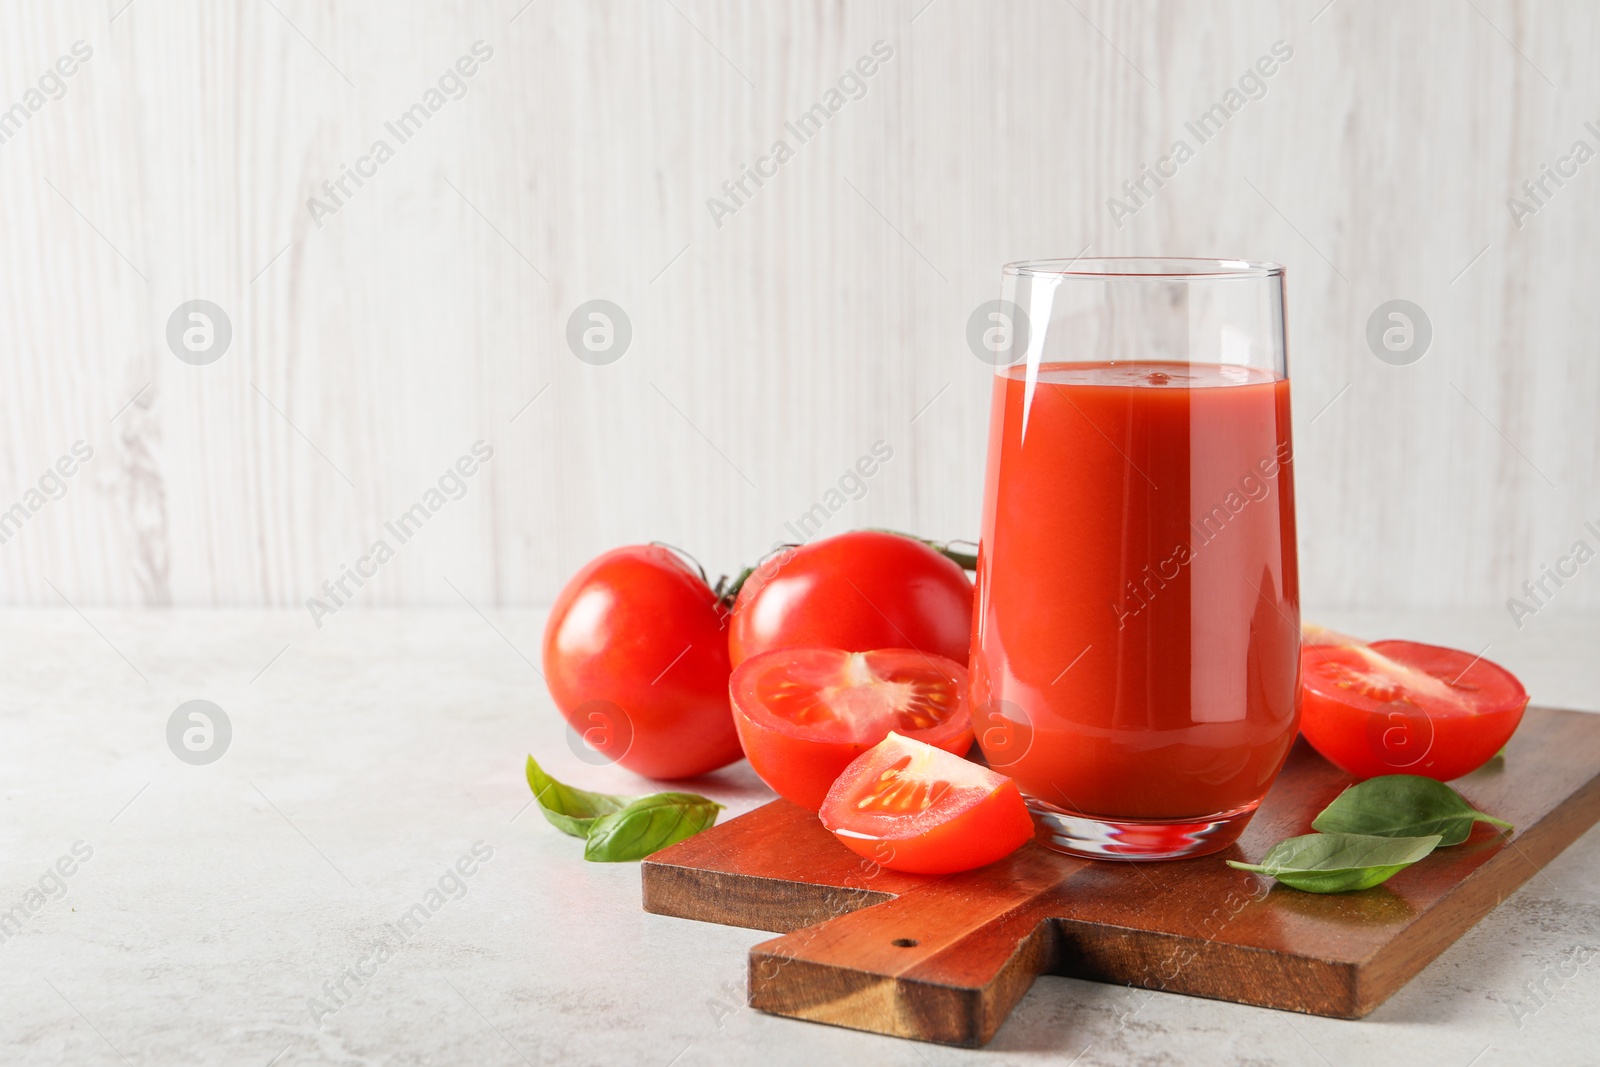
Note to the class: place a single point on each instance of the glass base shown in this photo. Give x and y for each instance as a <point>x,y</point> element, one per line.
<point>1097,837</point>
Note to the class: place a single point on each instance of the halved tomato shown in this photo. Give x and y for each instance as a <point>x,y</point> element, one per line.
<point>804,713</point>
<point>911,807</point>
<point>1400,707</point>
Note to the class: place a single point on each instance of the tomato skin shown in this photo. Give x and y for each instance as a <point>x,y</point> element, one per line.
<point>1385,728</point>
<point>793,768</point>
<point>801,762</point>
<point>984,819</point>
<point>615,633</point>
<point>857,591</point>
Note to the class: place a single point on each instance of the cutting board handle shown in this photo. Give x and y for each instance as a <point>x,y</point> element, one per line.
<point>944,965</point>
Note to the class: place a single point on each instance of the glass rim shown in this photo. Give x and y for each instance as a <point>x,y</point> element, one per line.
<point>1183,268</point>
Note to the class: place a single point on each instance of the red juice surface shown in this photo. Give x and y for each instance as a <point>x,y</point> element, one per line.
<point>1138,604</point>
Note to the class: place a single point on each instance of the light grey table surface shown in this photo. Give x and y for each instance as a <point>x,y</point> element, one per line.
<point>372,754</point>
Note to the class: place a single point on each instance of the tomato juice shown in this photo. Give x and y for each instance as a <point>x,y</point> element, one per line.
<point>1136,627</point>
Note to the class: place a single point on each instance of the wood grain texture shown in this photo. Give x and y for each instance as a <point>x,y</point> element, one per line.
<point>372,347</point>
<point>945,959</point>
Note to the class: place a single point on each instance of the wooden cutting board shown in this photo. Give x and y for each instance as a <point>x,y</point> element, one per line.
<point>945,959</point>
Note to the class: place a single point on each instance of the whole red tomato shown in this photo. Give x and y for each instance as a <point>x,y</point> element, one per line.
<point>859,592</point>
<point>637,660</point>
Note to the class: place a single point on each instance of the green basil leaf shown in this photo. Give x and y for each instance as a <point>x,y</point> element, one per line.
<point>648,825</point>
<point>572,811</point>
<point>1403,805</point>
<point>1338,863</point>
<point>619,828</point>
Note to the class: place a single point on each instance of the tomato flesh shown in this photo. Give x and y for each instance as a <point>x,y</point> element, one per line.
<point>857,591</point>
<point>1401,707</point>
<point>804,713</point>
<point>909,806</point>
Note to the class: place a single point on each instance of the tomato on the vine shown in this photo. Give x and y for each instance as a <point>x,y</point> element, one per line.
<point>1400,707</point>
<point>637,660</point>
<point>858,591</point>
<point>911,807</point>
<point>805,713</point>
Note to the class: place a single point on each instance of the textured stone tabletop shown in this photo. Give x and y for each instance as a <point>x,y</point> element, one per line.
<point>369,816</point>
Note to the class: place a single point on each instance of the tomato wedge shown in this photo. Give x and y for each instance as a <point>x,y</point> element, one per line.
<point>911,807</point>
<point>1400,707</point>
<point>804,713</point>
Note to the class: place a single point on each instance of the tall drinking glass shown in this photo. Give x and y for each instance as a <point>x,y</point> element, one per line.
<point>1135,662</point>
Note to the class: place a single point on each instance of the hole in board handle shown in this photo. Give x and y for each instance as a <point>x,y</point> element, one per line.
<point>904,942</point>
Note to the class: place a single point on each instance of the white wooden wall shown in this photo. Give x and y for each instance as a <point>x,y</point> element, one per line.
<point>828,313</point>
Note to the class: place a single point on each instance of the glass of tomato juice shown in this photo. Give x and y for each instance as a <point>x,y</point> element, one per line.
<point>1136,634</point>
